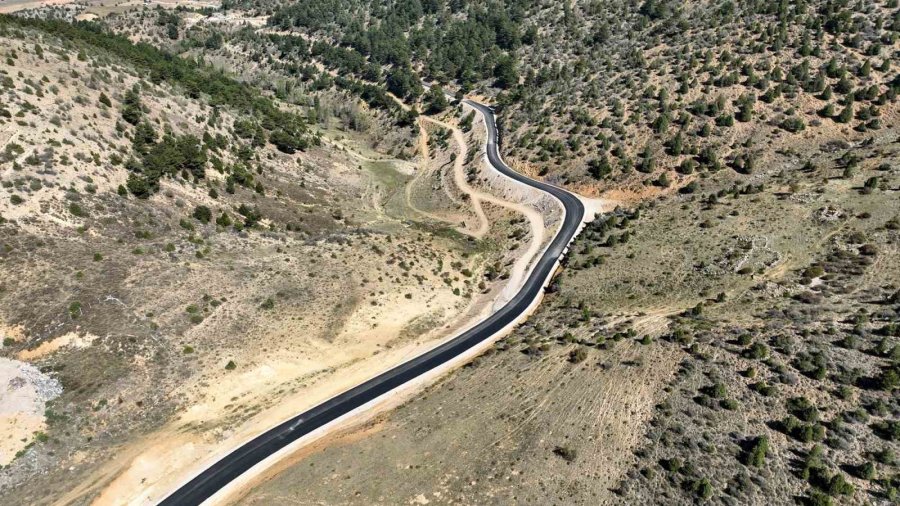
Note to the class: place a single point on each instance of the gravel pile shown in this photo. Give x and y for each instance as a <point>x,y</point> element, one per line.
<point>17,376</point>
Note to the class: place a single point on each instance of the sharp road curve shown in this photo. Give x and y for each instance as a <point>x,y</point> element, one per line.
<point>213,479</point>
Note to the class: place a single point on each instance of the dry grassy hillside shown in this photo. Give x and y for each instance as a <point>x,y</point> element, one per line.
<point>177,262</point>
<point>631,98</point>
<point>728,335</point>
<point>735,348</point>
<point>729,339</point>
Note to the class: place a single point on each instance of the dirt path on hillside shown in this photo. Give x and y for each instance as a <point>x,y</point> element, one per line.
<point>459,178</point>
<point>519,271</point>
<point>425,154</point>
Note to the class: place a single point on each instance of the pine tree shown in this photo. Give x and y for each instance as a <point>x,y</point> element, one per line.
<point>846,114</point>
<point>437,100</point>
<point>675,146</point>
<point>131,106</point>
<point>506,73</point>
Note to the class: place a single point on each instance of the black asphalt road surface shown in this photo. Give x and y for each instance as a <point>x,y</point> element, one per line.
<point>242,459</point>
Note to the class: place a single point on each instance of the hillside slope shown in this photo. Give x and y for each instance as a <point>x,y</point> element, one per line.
<point>187,260</point>
<point>727,335</point>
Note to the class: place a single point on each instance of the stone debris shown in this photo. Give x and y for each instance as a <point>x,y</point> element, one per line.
<point>27,388</point>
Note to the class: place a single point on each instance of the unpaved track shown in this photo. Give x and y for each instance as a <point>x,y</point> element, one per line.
<point>476,197</point>
<point>425,155</point>
<point>459,178</point>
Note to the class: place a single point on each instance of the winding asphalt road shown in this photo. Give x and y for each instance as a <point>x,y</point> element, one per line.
<point>208,482</point>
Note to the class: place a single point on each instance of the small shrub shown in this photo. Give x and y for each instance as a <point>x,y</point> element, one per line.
<point>568,453</point>
<point>865,471</point>
<point>793,124</point>
<point>803,409</point>
<point>718,391</point>
<point>756,453</point>
<point>578,355</point>
<point>202,214</point>
<point>672,465</point>
<point>817,498</point>
<point>888,429</point>
<point>702,488</point>
<point>838,485</point>
<point>764,389</point>
<point>804,432</point>
<point>757,351</point>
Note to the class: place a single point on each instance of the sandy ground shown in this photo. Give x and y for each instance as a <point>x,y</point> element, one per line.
<point>48,347</point>
<point>349,424</point>
<point>145,471</point>
<point>8,6</point>
<point>99,8</point>
<point>423,169</point>
<point>276,388</point>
